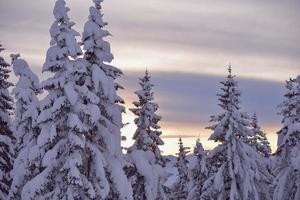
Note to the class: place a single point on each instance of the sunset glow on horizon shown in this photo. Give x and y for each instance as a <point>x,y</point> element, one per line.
<point>171,132</point>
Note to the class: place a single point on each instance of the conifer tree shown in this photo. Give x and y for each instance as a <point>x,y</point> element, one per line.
<point>180,190</point>
<point>287,182</point>
<point>147,177</point>
<point>198,172</point>
<point>237,170</point>
<point>26,165</point>
<point>259,141</point>
<point>199,150</point>
<point>61,141</point>
<point>103,140</point>
<point>6,134</point>
<point>27,103</point>
<point>285,109</point>
<point>146,136</point>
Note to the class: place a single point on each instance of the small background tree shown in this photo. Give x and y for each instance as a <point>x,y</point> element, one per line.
<point>259,141</point>
<point>198,172</point>
<point>180,190</point>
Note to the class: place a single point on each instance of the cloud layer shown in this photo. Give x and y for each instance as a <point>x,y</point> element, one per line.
<point>260,38</point>
<point>186,45</point>
<point>188,100</point>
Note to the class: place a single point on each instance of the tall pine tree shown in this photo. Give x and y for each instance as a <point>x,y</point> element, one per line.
<point>61,141</point>
<point>287,182</point>
<point>27,164</point>
<point>103,140</point>
<point>148,177</point>
<point>240,172</point>
<point>6,134</point>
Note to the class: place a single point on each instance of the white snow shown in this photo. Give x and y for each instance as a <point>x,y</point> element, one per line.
<point>145,164</point>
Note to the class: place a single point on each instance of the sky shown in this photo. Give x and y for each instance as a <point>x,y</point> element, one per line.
<point>186,46</point>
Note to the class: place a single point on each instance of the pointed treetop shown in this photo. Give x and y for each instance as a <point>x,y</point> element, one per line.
<point>147,76</point>
<point>232,122</point>
<point>198,150</point>
<point>60,11</point>
<point>180,141</point>
<point>98,50</point>
<point>289,94</point>
<point>254,118</point>
<point>229,69</point>
<point>255,126</point>
<point>63,39</point>
<point>230,96</point>
<point>254,123</point>
<point>146,72</point>
<point>96,16</point>
<point>182,150</point>
<point>98,3</point>
<point>259,140</point>
<point>288,106</point>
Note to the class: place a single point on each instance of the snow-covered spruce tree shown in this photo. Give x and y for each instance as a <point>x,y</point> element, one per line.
<point>103,140</point>
<point>61,142</point>
<point>287,182</point>
<point>148,176</point>
<point>6,134</point>
<point>180,190</point>
<point>27,103</point>
<point>198,172</point>
<point>199,150</point>
<point>240,172</point>
<point>285,109</point>
<point>26,165</point>
<point>146,136</point>
<point>259,141</point>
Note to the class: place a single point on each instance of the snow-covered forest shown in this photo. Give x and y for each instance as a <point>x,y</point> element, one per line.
<point>66,143</point>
